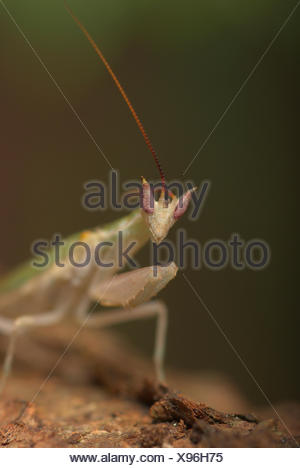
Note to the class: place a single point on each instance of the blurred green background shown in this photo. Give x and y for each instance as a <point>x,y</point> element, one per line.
<point>181,64</point>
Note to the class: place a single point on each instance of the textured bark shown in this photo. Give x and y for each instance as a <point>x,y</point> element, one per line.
<point>102,395</point>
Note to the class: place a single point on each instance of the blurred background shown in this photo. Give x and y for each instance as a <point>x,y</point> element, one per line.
<point>181,64</point>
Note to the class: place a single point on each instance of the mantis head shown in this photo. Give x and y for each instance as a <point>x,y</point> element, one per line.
<point>160,215</point>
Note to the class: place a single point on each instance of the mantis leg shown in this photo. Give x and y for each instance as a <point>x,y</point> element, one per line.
<point>142,311</point>
<point>14,327</point>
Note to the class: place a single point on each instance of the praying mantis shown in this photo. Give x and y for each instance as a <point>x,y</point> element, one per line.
<point>31,298</point>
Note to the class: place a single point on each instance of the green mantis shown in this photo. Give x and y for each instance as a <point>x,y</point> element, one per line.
<point>30,298</point>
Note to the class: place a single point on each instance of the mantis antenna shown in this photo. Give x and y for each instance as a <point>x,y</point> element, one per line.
<point>124,95</point>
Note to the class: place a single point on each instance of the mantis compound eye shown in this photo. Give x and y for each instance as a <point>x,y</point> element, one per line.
<point>183,204</point>
<point>147,197</point>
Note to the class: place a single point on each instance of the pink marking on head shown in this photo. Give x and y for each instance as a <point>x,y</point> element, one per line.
<point>183,204</point>
<point>148,197</point>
